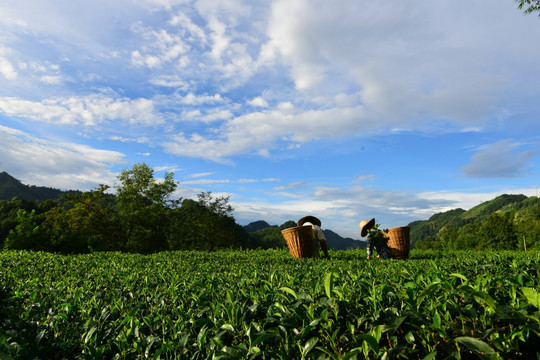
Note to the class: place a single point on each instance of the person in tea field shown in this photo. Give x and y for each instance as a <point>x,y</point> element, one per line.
<point>318,235</point>
<point>376,238</point>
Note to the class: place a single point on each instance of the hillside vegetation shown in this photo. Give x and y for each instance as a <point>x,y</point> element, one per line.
<point>500,223</point>
<point>141,217</point>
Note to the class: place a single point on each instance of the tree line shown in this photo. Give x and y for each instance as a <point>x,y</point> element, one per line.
<point>513,229</point>
<point>142,216</point>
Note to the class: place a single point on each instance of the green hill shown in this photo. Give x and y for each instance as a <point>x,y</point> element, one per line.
<point>457,218</point>
<point>11,187</point>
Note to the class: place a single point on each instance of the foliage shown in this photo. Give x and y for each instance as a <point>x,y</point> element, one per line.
<point>27,233</point>
<point>527,222</point>
<point>142,208</point>
<point>206,224</point>
<point>497,232</point>
<point>501,223</point>
<point>71,226</point>
<point>529,6</point>
<point>8,214</point>
<point>264,304</point>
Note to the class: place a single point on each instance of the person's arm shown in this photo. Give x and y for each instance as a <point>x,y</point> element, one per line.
<point>322,241</point>
<point>324,249</point>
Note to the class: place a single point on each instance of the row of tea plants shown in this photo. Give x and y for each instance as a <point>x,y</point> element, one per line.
<point>267,305</point>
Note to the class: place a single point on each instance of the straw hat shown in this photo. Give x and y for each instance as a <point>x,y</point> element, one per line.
<point>365,226</point>
<point>310,219</point>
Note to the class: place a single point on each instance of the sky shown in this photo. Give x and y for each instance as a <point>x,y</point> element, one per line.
<point>345,110</point>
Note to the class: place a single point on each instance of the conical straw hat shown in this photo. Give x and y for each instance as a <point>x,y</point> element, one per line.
<point>311,219</point>
<point>365,226</point>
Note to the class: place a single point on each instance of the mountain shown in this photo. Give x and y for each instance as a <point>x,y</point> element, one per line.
<point>456,218</point>
<point>11,187</point>
<point>335,241</point>
<point>269,236</point>
<point>256,226</point>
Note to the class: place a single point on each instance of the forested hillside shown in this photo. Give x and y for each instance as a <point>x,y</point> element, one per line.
<point>141,217</point>
<point>506,222</point>
<point>11,187</point>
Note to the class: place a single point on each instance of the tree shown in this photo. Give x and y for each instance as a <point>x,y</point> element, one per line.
<point>143,206</point>
<point>206,224</point>
<point>497,232</point>
<point>8,214</point>
<point>467,236</point>
<point>529,6</point>
<point>27,234</point>
<point>527,222</point>
<point>447,236</point>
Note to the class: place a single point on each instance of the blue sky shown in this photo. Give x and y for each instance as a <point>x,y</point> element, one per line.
<point>344,110</point>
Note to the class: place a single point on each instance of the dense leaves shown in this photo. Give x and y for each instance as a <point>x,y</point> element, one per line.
<point>266,305</point>
<point>508,222</point>
<point>142,217</point>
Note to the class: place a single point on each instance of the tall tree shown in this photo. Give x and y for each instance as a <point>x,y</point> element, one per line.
<point>206,224</point>
<point>143,207</point>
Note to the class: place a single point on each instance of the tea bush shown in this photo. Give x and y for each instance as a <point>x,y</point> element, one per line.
<point>264,304</point>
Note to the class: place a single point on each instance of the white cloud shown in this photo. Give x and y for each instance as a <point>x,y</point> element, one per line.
<point>170,81</point>
<point>258,102</point>
<point>192,99</point>
<point>198,175</point>
<point>60,165</point>
<point>83,110</point>
<point>7,69</point>
<point>140,140</point>
<point>364,178</point>
<point>51,79</point>
<point>499,160</point>
<point>261,131</point>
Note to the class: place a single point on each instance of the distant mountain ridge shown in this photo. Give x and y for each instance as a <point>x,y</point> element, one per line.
<point>10,187</point>
<point>456,218</point>
<point>270,236</point>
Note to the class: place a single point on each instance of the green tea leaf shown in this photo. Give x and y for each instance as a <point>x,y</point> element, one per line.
<point>289,291</point>
<point>483,350</point>
<point>461,277</point>
<point>481,297</point>
<point>371,341</point>
<point>309,345</point>
<point>227,327</point>
<point>532,296</point>
<point>430,356</point>
<point>89,334</point>
<point>328,284</point>
<point>437,320</point>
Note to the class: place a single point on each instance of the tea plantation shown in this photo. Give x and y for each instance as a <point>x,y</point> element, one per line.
<point>267,305</point>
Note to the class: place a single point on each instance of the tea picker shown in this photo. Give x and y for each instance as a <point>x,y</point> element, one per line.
<point>318,235</point>
<point>377,239</point>
<point>393,243</point>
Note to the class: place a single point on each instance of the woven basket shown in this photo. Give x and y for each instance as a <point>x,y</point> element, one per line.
<point>399,241</point>
<point>300,241</point>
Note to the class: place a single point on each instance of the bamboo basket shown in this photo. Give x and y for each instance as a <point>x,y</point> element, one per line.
<point>300,241</point>
<point>399,241</point>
